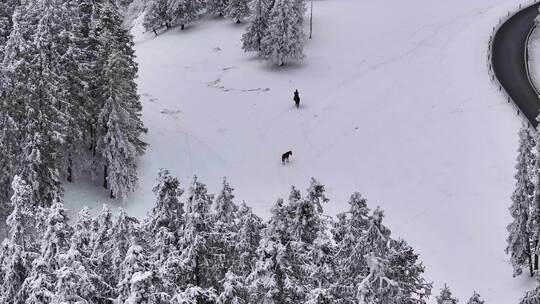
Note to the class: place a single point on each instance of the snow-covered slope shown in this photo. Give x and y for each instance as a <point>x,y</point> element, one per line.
<point>396,103</point>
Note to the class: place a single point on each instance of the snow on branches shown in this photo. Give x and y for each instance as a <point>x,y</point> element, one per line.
<point>195,247</point>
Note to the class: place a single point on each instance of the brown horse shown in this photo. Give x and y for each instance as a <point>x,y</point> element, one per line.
<point>285,157</point>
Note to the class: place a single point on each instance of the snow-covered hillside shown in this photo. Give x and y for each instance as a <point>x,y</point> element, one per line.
<point>396,103</point>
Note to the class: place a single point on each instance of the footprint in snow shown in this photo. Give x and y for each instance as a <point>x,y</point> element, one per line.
<point>172,113</point>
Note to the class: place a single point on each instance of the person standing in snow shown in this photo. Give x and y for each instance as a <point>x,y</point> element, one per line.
<point>296,99</point>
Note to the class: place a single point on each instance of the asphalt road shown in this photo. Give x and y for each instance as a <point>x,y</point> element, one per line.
<point>508,60</point>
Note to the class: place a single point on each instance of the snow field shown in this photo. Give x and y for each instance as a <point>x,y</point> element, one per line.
<point>396,104</point>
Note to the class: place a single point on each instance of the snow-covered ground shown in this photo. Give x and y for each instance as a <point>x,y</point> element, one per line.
<point>396,103</point>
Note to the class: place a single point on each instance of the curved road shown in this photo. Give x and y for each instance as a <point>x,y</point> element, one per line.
<point>508,61</point>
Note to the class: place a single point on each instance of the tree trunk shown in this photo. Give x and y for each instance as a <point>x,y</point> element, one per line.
<point>70,171</point>
<point>91,148</point>
<point>112,194</point>
<point>182,27</point>
<point>531,270</point>
<point>238,21</point>
<point>105,174</point>
<point>311,21</point>
<point>155,32</point>
<point>531,266</point>
<point>197,278</point>
<point>535,256</point>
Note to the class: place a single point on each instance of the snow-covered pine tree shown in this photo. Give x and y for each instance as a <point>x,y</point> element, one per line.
<point>41,164</point>
<point>275,278</point>
<point>55,105</point>
<point>12,111</point>
<point>217,7</point>
<point>90,12</point>
<point>248,237</point>
<point>348,232</point>
<point>183,11</point>
<point>21,247</point>
<point>256,29</point>
<point>135,285</point>
<point>8,156</point>
<point>165,260</point>
<point>321,269</point>
<point>101,245</point>
<point>123,231</point>
<point>225,208</point>
<point>32,60</point>
<point>519,243</point>
<point>311,238</point>
<point>533,225</point>
<point>123,4</point>
<point>163,227</point>
<point>531,297</point>
<point>168,210</point>
<point>196,240</point>
<point>377,237</point>
<point>234,290</point>
<point>75,280</point>
<point>284,36</point>
<point>56,240</point>
<point>101,231</point>
<point>156,16</point>
<point>80,265</point>
<point>475,299</point>
<point>7,8</point>
<point>238,10</point>
<point>225,232</point>
<point>308,219</point>
<point>15,266</point>
<point>22,222</point>
<point>76,68</point>
<point>405,269</point>
<point>376,287</point>
<point>294,197</point>
<point>39,286</point>
<point>82,233</point>
<point>120,123</point>
<point>445,297</point>
<point>49,47</point>
<point>194,295</point>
